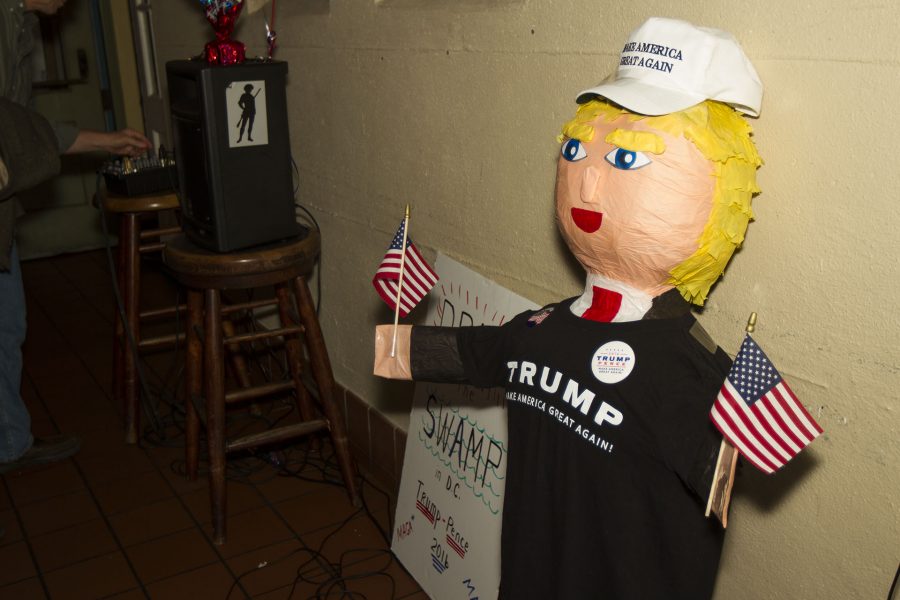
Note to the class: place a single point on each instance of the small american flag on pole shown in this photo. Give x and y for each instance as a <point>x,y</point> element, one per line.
<point>418,276</point>
<point>759,414</point>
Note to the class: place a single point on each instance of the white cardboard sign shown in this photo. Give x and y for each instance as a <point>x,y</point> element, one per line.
<point>450,501</point>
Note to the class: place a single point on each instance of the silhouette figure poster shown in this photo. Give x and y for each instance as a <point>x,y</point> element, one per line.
<point>248,124</point>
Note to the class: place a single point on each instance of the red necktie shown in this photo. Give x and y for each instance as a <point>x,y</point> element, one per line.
<point>604,305</point>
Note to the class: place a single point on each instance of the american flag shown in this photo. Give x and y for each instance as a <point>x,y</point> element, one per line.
<point>759,414</point>
<point>418,276</point>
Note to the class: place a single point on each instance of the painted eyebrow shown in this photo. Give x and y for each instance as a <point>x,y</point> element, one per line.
<point>636,141</point>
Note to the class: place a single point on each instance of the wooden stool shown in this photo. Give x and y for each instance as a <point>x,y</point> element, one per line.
<point>205,274</point>
<point>133,242</point>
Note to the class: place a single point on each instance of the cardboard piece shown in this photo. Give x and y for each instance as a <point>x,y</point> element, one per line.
<point>449,506</point>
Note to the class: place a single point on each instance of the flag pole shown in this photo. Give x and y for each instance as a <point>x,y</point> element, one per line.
<point>723,476</point>
<point>400,281</point>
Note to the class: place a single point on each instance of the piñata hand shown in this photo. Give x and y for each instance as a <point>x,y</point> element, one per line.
<point>397,366</point>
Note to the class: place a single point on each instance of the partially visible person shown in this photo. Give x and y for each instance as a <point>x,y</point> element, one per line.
<point>29,149</point>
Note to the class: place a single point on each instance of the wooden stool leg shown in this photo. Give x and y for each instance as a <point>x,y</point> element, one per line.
<point>129,241</point>
<point>119,333</point>
<point>193,379</point>
<point>236,357</point>
<point>213,358</point>
<point>294,352</point>
<point>321,367</point>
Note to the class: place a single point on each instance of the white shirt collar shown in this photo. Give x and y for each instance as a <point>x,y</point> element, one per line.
<point>635,303</point>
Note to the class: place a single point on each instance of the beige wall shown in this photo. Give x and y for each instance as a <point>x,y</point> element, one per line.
<point>453,106</point>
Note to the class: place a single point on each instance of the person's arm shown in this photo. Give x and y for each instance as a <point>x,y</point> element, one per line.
<point>48,7</point>
<point>27,149</point>
<point>124,142</point>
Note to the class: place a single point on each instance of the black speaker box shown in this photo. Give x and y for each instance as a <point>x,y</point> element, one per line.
<point>232,148</point>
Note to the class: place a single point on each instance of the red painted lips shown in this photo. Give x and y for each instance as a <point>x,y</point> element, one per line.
<point>587,220</point>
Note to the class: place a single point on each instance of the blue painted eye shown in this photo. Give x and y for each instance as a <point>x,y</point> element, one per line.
<point>627,160</point>
<point>573,151</point>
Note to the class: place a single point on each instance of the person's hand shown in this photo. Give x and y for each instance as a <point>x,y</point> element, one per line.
<point>127,142</point>
<point>48,7</point>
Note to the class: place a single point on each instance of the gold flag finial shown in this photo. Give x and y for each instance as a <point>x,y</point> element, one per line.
<point>751,323</point>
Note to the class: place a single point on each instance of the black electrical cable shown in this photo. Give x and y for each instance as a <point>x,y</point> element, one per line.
<point>147,395</point>
<point>296,174</point>
<point>166,393</point>
<point>319,466</point>
<point>120,305</point>
<point>340,578</point>
<point>895,590</point>
<point>329,463</point>
<point>319,229</point>
<point>241,469</point>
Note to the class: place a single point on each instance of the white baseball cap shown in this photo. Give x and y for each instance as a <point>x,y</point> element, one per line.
<point>669,65</point>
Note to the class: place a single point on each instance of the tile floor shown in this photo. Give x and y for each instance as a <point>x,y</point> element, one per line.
<point>122,521</point>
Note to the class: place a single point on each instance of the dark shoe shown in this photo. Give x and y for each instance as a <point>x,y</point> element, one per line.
<point>43,451</point>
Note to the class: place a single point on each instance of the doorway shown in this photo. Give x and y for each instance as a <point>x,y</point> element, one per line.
<point>85,73</point>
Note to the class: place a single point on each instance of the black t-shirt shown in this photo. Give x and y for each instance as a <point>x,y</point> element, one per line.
<point>611,453</point>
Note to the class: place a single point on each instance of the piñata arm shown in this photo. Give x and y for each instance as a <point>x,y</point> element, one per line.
<point>422,354</point>
<point>472,355</point>
<point>397,366</point>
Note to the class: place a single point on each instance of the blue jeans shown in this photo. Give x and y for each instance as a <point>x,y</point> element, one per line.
<point>15,422</point>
